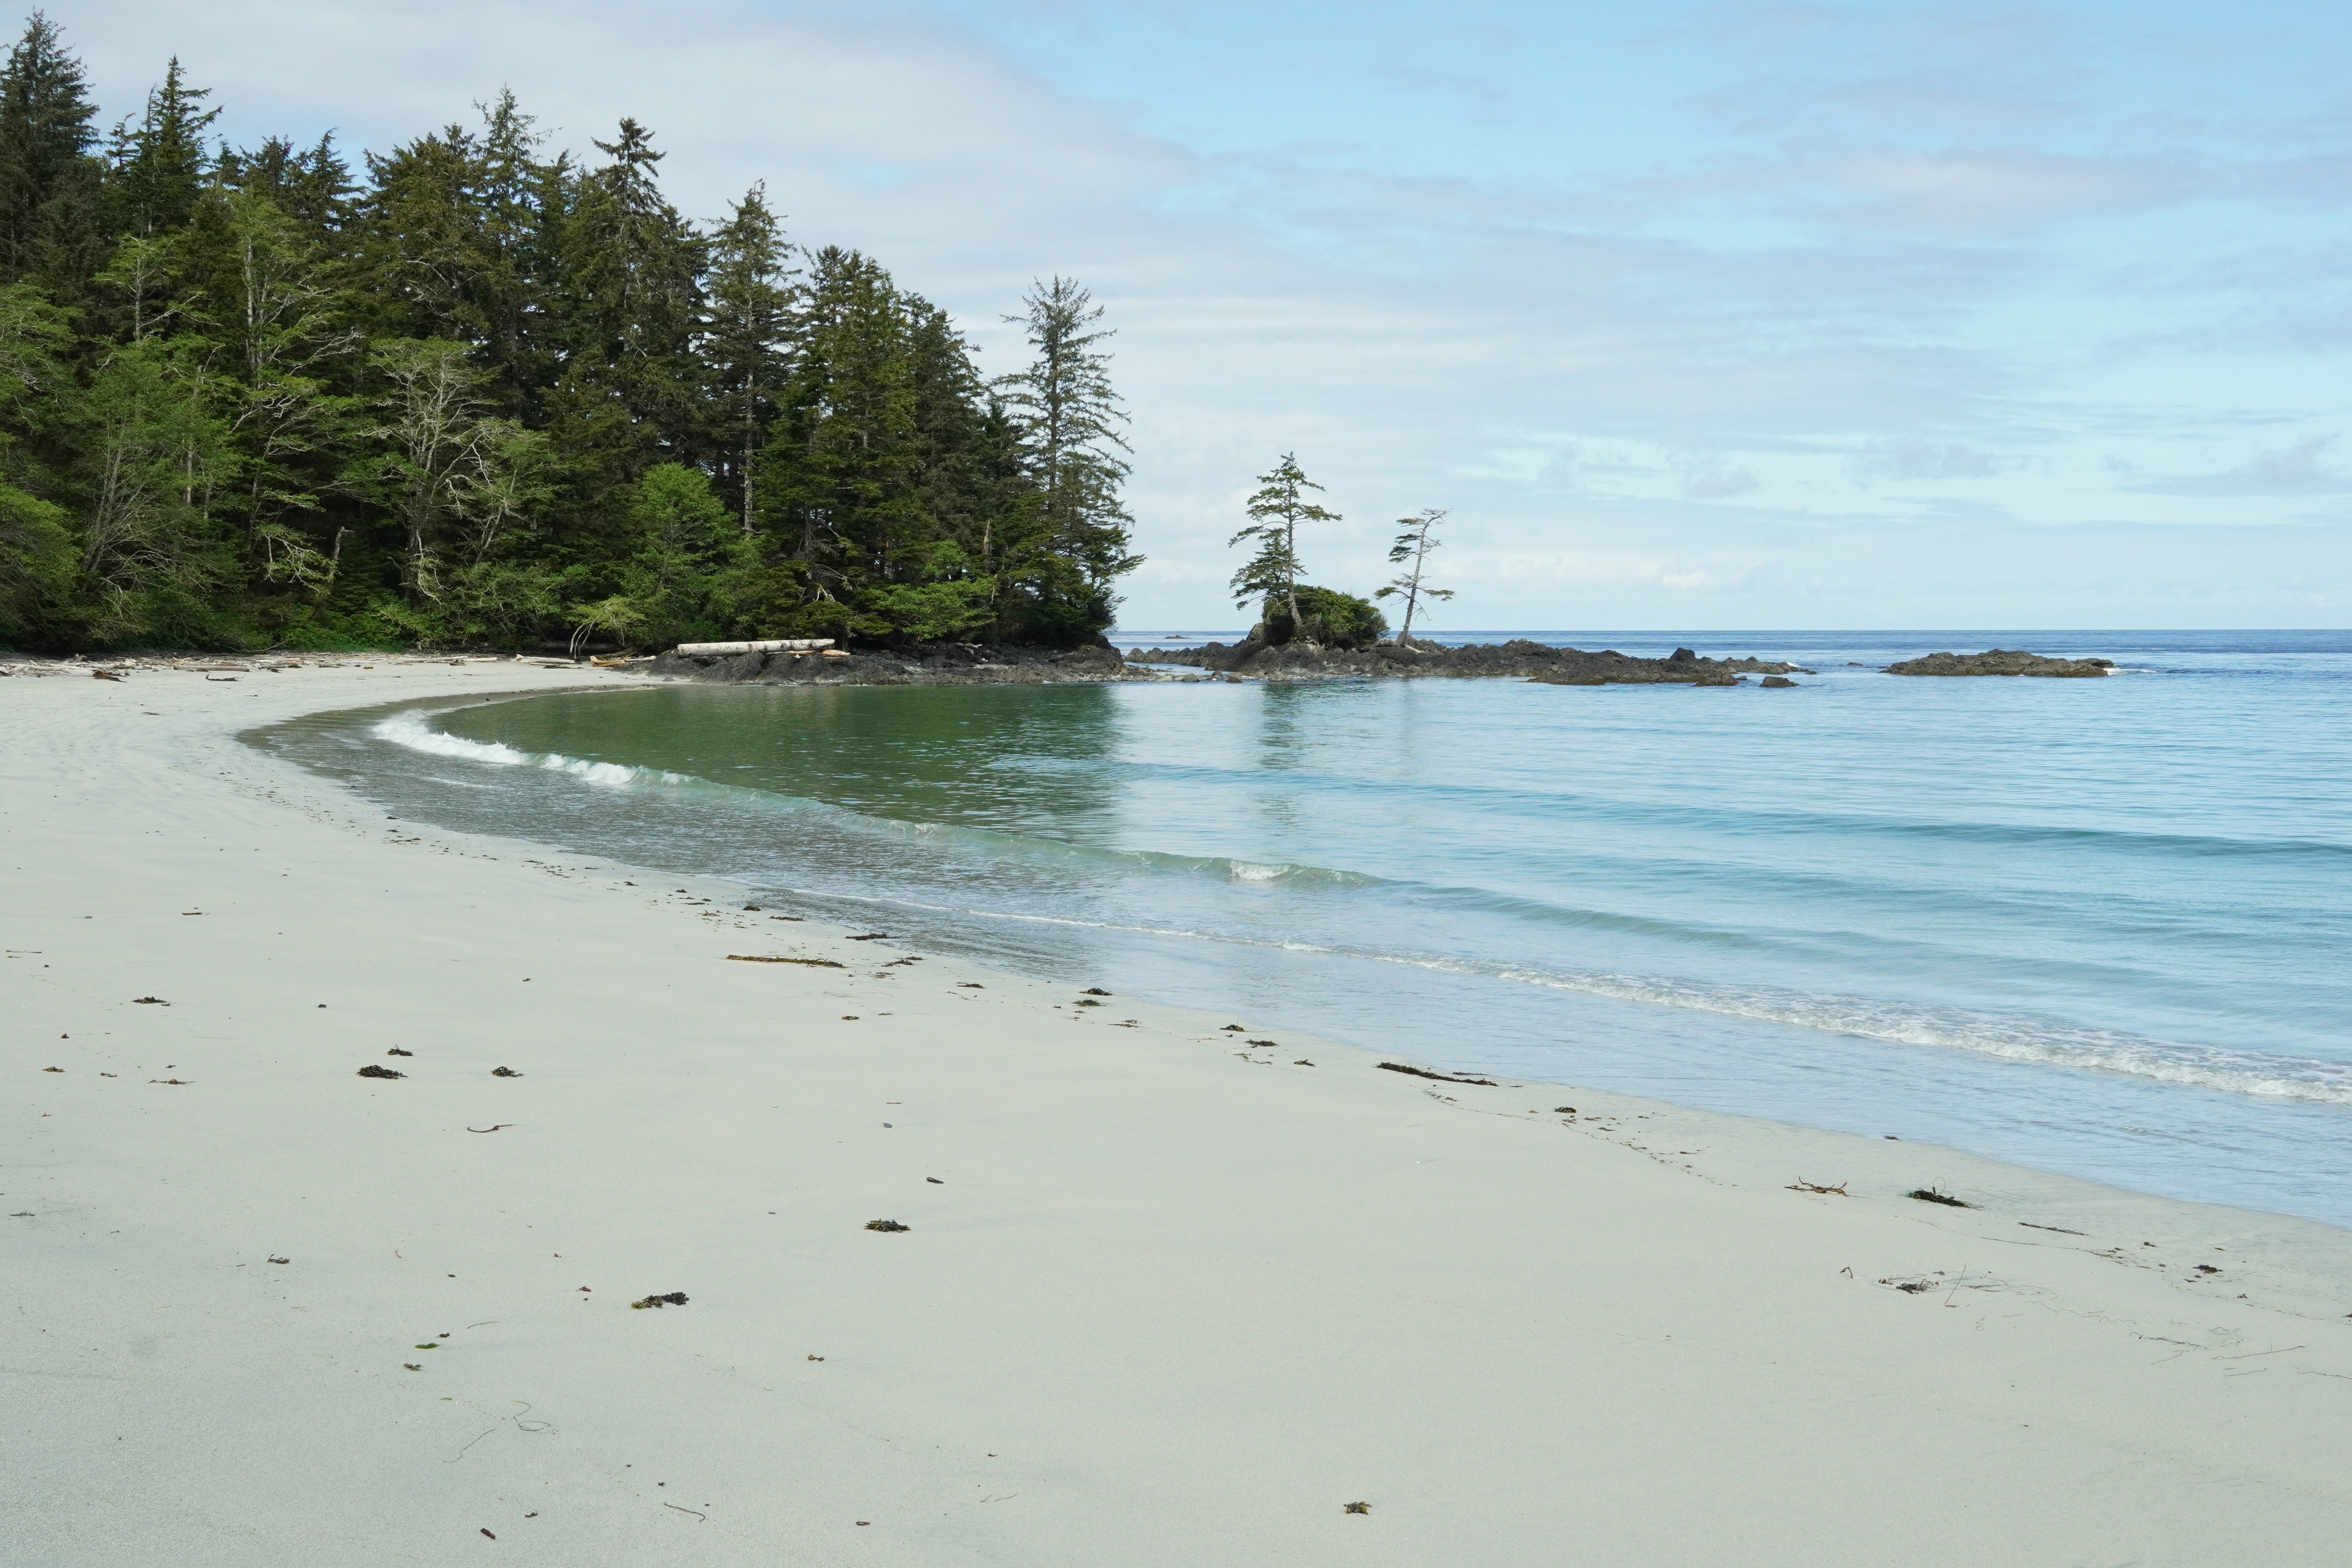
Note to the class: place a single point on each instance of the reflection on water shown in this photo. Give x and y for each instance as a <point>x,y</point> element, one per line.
<point>1019,759</point>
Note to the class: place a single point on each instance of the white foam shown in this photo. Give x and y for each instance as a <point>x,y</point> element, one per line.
<point>410,729</point>
<point>413,731</point>
<point>1987,1034</point>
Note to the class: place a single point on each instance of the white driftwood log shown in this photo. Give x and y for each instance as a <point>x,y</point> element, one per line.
<point>771,645</point>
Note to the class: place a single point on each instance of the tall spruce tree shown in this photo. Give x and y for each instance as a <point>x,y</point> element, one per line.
<point>48,180</point>
<point>1274,513</point>
<point>746,339</point>
<point>1075,544</point>
<point>630,285</point>
<point>311,185</point>
<point>159,164</point>
<point>455,235</point>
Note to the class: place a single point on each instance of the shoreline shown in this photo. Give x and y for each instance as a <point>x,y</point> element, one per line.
<point>1168,1294</point>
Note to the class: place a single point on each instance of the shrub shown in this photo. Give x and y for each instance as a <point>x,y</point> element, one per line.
<point>1332,618</point>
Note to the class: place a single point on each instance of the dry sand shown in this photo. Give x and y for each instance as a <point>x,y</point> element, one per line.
<point>1164,1298</point>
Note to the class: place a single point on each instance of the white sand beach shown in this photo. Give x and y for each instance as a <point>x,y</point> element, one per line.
<point>1164,1296</point>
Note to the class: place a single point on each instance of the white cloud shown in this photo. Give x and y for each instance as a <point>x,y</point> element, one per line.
<point>1919,458</point>
<point>2295,471</point>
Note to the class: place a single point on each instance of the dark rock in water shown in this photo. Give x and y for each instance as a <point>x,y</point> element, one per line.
<point>372,1070</point>
<point>1422,659</point>
<point>974,664</point>
<point>2001,661</point>
<point>1778,680</point>
<point>922,663</point>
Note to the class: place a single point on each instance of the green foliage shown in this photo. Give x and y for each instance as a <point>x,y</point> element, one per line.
<point>37,564</point>
<point>1274,513</point>
<point>49,181</point>
<point>479,392</point>
<point>1325,618</point>
<point>1067,547</point>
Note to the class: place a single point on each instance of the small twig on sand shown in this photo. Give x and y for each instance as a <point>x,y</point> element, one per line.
<point>1801,1185</point>
<point>1439,1077</point>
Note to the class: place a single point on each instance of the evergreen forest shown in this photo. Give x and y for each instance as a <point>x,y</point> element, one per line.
<point>475,391</point>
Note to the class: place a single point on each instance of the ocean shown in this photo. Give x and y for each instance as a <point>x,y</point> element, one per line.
<point>2098,927</point>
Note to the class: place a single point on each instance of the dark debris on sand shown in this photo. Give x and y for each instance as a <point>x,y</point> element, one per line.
<point>1439,1077</point>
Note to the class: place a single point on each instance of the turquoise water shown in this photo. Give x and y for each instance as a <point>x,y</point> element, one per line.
<point>2098,927</point>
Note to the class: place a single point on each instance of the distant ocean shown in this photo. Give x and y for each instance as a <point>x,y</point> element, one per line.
<point>2101,927</point>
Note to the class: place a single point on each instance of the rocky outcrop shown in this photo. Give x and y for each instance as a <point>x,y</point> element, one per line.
<point>932,664</point>
<point>2001,661</point>
<point>974,664</point>
<point>1519,658</point>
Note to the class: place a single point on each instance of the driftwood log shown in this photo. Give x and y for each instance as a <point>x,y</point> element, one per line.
<point>769,644</point>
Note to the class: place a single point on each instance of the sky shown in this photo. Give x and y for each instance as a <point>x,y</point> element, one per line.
<point>1689,314</point>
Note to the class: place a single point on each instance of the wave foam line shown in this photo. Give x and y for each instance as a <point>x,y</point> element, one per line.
<point>411,729</point>
<point>2044,1041</point>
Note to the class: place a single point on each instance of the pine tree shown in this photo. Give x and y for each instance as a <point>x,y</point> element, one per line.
<point>747,337</point>
<point>630,285</point>
<point>455,234</point>
<point>1067,419</point>
<point>845,448</point>
<point>159,165</point>
<point>1274,513</point>
<point>311,185</point>
<point>49,181</point>
<point>1412,550</point>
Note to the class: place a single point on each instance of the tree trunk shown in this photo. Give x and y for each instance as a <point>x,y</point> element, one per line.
<point>1290,578</point>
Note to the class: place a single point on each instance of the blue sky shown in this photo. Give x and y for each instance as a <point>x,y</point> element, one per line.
<point>1693,315</point>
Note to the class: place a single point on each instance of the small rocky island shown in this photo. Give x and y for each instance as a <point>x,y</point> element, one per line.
<point>979,664</point>
<point>1261,660</point>
<point>2001,661</point>
<point>976,664</point>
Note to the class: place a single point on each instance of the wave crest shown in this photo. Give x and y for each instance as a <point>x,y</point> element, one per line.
<point>413,731</point>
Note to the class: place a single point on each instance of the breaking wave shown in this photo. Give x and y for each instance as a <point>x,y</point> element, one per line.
<point>413,731</point>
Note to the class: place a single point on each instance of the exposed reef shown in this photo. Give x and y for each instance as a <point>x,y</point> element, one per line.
<point>974,664</point>
<point>2001,661</point>
<point>1519,658</point>
<point>930,664</point>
